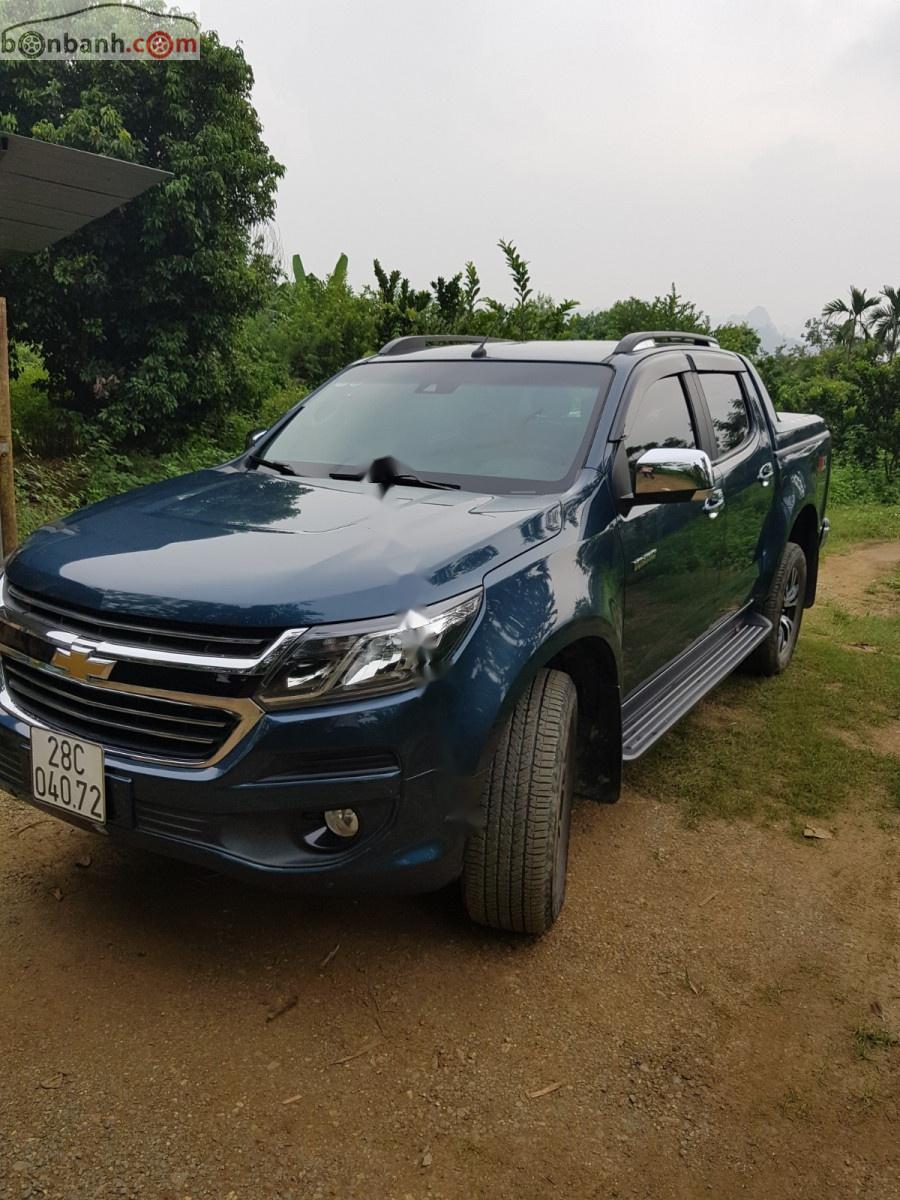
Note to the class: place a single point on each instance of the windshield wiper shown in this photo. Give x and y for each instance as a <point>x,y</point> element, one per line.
<point>282,468</point>
<point>387,472</point>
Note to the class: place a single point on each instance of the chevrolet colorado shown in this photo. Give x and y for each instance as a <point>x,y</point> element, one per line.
<point>378,649</point>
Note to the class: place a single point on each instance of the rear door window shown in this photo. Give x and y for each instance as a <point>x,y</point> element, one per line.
<point>728,410</point>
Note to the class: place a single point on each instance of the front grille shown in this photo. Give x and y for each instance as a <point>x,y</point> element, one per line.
<point>179,637</point>
<point>139,724</point>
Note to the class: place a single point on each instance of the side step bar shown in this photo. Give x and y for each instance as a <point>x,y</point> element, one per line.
<point>658,704</point>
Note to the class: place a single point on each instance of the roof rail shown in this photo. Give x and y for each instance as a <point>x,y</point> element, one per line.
<point>636,341</point>
<point>421,341</point>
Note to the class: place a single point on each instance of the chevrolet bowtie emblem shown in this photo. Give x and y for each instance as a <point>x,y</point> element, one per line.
<point>80,664</point>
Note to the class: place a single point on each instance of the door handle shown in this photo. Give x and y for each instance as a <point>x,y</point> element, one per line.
<point>766,471</point>
<point>714,503</point>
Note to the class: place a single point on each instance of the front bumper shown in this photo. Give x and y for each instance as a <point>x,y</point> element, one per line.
<point>259,812</point>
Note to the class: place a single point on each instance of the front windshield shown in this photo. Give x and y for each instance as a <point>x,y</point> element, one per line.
<point>503,426</point>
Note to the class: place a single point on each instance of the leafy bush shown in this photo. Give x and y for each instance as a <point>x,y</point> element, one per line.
<point>854,484</point>
<point>855,388</point>
<point>38,427</point>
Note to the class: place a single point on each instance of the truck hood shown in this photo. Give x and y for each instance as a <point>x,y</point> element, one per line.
<point>235,547</point>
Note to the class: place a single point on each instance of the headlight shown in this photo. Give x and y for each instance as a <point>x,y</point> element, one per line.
<point>342,662</point>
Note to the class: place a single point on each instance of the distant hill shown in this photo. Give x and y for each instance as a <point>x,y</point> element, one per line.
<point>769,333</point>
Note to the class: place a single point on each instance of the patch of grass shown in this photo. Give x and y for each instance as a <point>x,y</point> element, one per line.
<point>871,633</point>
<point>866,1099</point>
<point>869,1039</point>
<point>861,522</point>
<point>783,757</point>
<point>793,1106</point>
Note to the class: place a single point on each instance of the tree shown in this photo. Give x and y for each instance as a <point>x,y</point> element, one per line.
<point>316,326</point>
<point>136,316</point>
<point>671,311</point>
<point>851,320</point>
<point>521,277</point>
<point>449,299</point>
<point>741,338</point>
<point>886,325</point>
<point>471,291</point>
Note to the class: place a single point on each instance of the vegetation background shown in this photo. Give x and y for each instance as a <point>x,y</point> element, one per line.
<point>151,342</point>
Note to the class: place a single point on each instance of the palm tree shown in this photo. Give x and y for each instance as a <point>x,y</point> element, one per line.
<point>886,325</point>
<point>855,323</point>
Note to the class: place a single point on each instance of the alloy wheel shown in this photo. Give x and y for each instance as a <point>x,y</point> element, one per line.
<point>790,612</point>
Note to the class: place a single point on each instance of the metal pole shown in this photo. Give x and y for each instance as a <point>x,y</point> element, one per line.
<point>8,531</point>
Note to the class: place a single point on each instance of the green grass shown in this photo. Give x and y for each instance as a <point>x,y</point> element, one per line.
<point>868,1040</point>
<point>860,523</point>
<point>794,1107</point>
<point>796,747</point>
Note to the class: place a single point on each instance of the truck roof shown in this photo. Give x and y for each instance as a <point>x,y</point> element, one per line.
<point>417,347</point>
<point>531,351</point>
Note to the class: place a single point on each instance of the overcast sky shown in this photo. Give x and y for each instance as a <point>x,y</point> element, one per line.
<point>747,151</point>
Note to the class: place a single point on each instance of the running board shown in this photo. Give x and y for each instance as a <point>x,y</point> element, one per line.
<point>654,709</point>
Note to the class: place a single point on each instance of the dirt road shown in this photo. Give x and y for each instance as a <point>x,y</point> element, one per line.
<point>711,1017</point>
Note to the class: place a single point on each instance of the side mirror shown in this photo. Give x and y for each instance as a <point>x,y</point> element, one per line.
<point>665,475</point>
<point>253,437</point>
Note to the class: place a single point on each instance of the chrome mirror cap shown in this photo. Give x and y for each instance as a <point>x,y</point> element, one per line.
<point>672,473</point>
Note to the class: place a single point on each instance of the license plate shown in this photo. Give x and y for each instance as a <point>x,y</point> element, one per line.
<point>68,774</point>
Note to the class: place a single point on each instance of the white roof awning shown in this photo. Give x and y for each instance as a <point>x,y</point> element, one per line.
<point>49,191</point>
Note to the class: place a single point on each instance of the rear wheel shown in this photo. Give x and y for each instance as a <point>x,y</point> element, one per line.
<point>514,876</point>
<point>784,608</point>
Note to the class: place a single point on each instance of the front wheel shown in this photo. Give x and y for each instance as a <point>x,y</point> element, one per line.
<point>784,608</point>
<point>514,876</point>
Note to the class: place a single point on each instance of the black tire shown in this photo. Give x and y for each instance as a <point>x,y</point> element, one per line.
<point>514,876</point>
<point>784,608</point>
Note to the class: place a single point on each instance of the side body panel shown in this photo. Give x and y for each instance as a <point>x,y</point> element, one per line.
<point>559,593</point>
<point>672,553</point>
<point>746,476</point>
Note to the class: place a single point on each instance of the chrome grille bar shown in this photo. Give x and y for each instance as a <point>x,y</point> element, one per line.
<point>161,636</point>
<point>58,626</point>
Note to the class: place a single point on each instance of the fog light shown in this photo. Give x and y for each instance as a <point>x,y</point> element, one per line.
<point>342,821</point>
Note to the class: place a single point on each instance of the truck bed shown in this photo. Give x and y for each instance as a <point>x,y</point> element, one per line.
<point>792,428</point>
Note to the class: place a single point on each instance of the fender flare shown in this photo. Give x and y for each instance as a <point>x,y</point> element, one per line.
<point>602,757</point>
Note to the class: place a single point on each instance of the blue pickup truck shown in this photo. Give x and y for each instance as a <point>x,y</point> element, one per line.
<point>384,646</point>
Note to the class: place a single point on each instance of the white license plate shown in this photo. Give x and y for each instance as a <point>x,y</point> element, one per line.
<point>68,773</point>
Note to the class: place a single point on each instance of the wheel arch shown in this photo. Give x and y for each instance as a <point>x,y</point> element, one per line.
<point>591,664</point>
<point>585,651</point>
<point>805,534</point>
